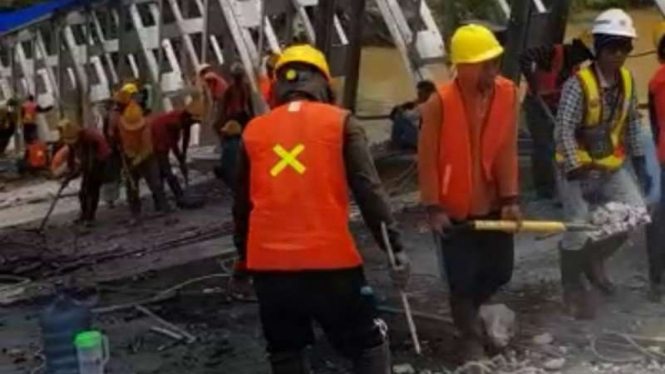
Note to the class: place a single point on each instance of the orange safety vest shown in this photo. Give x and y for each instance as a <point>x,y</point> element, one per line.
<point>455,145</point>
<point>549,87</point>
<point>657,95</point>
<point>265,86</point>
<point>37,155</point>
<point>298,190</point>
<point>30,112</point>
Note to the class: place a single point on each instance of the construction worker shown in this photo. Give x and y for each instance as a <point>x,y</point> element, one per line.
<point>467,159</point>
<point>7,124</point>
<point>598,128</point>
<point>655,231</point>
<point>291,216</point>
<point>88,156</point>
<point>213,81</point>
<point>266,80</point>
<point>29,111</point>
<point>546,69</point>
<point>138,159</point>
<point>167,129</point>
<point>406,118</point>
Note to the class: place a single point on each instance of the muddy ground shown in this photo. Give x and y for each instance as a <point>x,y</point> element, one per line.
<point>114,266</point>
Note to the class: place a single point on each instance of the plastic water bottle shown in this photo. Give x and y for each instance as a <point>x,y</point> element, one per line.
<point>61,322</point>
<point>92,350</point>
<point>368,294</point>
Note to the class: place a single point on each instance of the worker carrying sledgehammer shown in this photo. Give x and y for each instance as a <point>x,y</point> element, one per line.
<point>292,217</point>
<point>88,156</point>
<point>467,159</point>
<point>598,129</point>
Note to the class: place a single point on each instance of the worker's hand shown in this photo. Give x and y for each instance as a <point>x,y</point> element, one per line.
<point>512,212</point>
<point>401,272</point>
<point>240,285</point>
<point>438,219</point>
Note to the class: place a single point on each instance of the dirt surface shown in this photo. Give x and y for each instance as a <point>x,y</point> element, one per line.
<point>114,266</point>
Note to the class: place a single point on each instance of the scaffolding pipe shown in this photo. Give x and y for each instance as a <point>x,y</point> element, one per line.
<point>354,55</point>
<point>204,34</point>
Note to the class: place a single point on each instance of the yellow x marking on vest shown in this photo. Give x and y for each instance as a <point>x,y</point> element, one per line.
<point>288,159</point>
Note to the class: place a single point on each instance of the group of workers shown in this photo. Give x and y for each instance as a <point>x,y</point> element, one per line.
<point>304,154</point>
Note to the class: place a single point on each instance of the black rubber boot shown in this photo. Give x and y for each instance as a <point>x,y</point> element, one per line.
<point>469,325</point>
<point>373,361</point>
<point>596,271</point>
<point>289,363</point>
<point>577,299</point>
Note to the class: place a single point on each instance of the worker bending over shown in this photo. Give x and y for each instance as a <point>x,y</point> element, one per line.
<point>88,156</point>
<point>292,217</point>
<point>167,129</point>
<point>467,158</point>
<point>546,69</point>
<point>138,159</point>
<point>598,127</point>
<point>656,231</point>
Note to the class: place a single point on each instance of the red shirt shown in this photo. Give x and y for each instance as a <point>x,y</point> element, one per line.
<point>216,84</point>
<point>95,139</point>
<point>166,130</point>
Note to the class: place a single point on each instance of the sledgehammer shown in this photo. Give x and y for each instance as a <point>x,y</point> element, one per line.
<point>405,298</point>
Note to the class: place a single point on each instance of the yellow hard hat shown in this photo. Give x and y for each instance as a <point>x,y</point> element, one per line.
<point>305,54</point>
<point>658,34</point>
<point>130,88</point>
<point>473,44</point>
<point>69,131</point>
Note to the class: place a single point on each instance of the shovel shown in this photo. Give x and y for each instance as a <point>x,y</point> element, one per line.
<point>53,203</point>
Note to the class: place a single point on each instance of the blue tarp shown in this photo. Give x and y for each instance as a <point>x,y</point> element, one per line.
<point>14,20</point>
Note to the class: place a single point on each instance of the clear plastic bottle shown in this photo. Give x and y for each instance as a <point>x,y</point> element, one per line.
<point>92,350</point>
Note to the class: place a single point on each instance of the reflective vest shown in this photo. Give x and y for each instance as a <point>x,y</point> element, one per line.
<point>657,106</point>
<point>37,155</point>
<point>549,85</point>
<point>265,86</point>
<point>593,116</point>
<point>455,144</point>
<point>30,112</point>
<point>298,190</point>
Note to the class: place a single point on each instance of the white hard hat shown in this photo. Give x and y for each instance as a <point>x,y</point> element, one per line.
<point>204,67</point>
<point>614,22</point>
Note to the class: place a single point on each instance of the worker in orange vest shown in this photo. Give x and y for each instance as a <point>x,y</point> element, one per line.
<point>292,216</point>
<point>656,231</point>
<point>29,111</point>
<point>546,69</point>
<point>467,159</point>
<point>266,80</point>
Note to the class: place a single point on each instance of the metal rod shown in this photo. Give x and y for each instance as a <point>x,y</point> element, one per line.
<point>204,34</point>
<point>403,295</point>
<point>354,55</point>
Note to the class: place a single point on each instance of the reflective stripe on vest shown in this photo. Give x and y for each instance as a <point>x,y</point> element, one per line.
<point>298,190</point>
<point>455,146</point>
<point>593,116</point>
<point>29,112</point>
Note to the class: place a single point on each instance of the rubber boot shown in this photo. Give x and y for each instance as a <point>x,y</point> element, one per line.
<point>595,269</point>
<point>373,361</point>
<point>577,299</point>
<point>289,363</point>
<point>467,321</point>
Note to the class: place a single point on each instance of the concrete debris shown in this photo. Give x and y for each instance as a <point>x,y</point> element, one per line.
<point>615,218</point>
<point>499,323</point>
<point>543,339</point>
<point>500,364</point>
<point>554,364</point>
<point>403,369</point>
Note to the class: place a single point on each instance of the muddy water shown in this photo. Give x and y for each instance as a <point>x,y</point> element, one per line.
<point>385,83</point>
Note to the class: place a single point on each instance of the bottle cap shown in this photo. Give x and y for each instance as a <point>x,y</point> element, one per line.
<point>88,339</point>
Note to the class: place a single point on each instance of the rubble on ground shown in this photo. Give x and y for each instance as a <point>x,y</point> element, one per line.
<point>615,218</point>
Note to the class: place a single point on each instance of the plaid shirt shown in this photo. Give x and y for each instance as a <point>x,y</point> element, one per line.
<point>571,118</point>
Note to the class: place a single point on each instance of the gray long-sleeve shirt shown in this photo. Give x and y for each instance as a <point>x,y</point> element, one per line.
<point>363,181</point>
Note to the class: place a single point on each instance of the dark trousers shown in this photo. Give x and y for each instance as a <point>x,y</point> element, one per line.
<point>542,156</point>
<point>30,132</point>
<point>477,264</point>
<point>148,170</point>
<point>91,184</point>
<point>656,239</point>
<point>166,173</point>
<point>290,302</point>
<point>6,135</point>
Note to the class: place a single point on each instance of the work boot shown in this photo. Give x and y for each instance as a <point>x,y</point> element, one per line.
<point>577,299</point>
<point>373,361</point>
<point>468,324</point>
<point>289,363</point>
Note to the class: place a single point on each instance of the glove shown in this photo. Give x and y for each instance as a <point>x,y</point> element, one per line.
<point>643,178</point>
<point>512,212</point>
<point>401,272</point>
